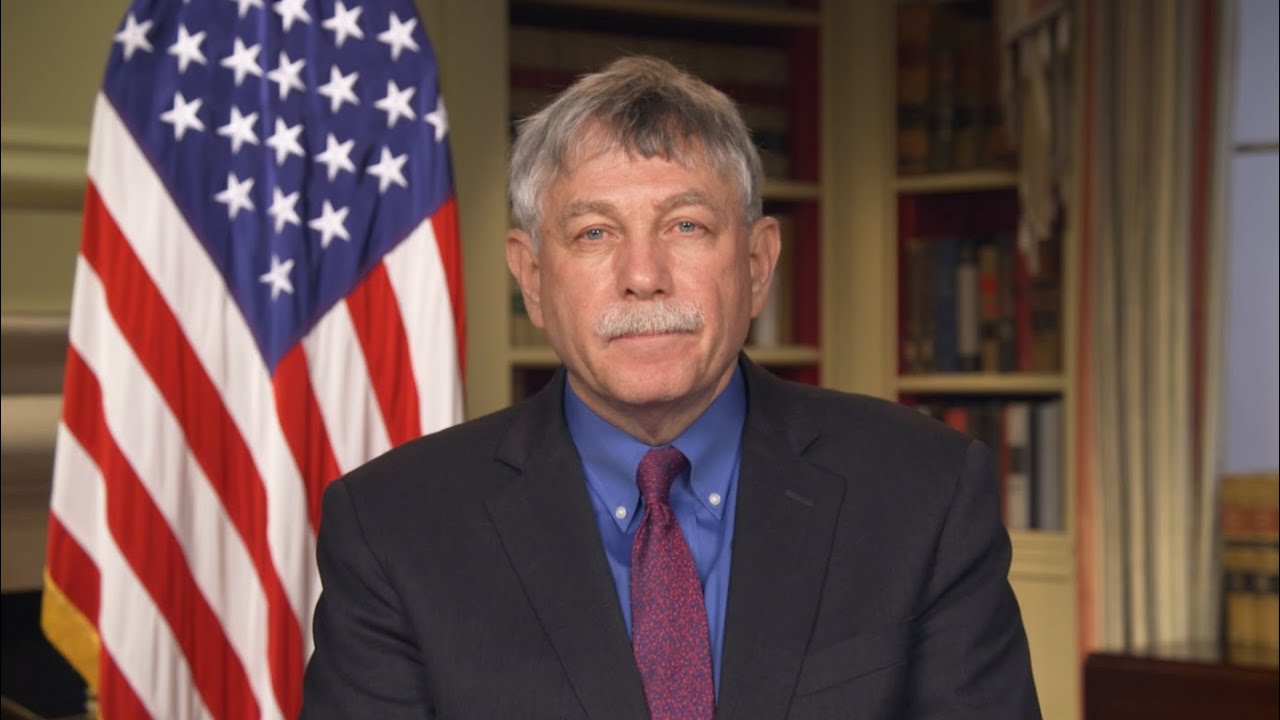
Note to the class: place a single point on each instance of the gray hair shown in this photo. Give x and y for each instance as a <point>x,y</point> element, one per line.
<point>646,106</point>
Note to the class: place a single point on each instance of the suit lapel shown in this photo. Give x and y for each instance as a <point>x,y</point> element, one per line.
<point>549,532</point>
<point>786,514</point>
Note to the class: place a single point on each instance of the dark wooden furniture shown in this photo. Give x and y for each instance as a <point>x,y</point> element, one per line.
<point>1178,684</point>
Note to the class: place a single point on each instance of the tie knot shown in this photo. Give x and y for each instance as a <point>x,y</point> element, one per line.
<point>658,469</point>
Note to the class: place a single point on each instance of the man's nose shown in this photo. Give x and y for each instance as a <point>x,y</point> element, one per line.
<point>644,267</point>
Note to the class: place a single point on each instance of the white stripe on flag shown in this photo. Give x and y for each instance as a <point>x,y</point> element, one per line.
<point>417,276</point>
<point>340,379</point>
<point>130,626</point>
<point>220,337</point>
<point>152,440</point>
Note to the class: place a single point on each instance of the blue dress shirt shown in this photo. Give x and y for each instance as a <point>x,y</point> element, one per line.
<point>703,497</point>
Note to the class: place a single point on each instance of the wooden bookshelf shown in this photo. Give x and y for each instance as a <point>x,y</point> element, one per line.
<point>932,203</point>
<point>767,17</point>
<point>982,383</point>
<point>952,182</point>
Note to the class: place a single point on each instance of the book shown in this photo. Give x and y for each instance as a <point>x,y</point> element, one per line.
<point>1239,499</point>
<point>968,315</point>
<point>918,300</point>
<point>1266,532</point>
<point>946,351</point>
<point>1021,317</point>
<point>1045,306</point>
<point>942,92</point>
<point>989,304</point>
<point>972,33</point>
<point>1017,499</point>
<point>914,26</point>
<point>1006,328</point>
<point>1047,480</point>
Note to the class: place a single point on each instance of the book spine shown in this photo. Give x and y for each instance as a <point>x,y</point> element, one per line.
<point>989,301</point>
<point>1022,310</point>
<point>1048,480</point>
<point>1046,307</point>
<point>1006,327</point>
<point>914,21</point>
<point>945,348</point>
<point>1266,584</point>
<point>915,309</point>
<point>1239,599</point>
<point>968,313</point>
<point>1018,484</point>
<point>942,93</point>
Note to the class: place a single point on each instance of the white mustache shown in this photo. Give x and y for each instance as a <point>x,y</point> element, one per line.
<point>649,318</point>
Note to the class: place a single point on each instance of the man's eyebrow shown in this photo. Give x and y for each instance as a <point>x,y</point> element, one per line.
<point>587,207</point>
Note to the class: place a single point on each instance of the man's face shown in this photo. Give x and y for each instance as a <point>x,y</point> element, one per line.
<point>646,279</point>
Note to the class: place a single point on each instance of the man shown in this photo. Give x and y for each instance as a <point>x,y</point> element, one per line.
<point>666,530</point>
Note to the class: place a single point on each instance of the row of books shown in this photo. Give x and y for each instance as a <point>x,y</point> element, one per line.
<point>1250,513</point>
<point>980,304</point>
<point>950,115</point>
<point>545,60</point>
<point>1026,442</point>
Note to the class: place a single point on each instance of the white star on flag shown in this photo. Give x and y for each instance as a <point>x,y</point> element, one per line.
<point>183,115</point>
<point>330,224</point>
<point>240,129</point>
<point>388,170</point>
<point>278,276</point>
<point>187,48</point>
<point>336,156</point>
<point>344,23</point>
<point>284,208</point>
<point>439,119</point>
<point>285,141</point>
<point>246,4</point>
<point>291,11</point>
<point>399,35</point>
<point>134,36</point>
<point>339,88</point>
<point>286,75</point>
<point>244,61</point>
<point>236,196</point>
<point>396,103</point>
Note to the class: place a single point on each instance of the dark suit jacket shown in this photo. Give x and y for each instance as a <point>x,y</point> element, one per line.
<point>464,576</point>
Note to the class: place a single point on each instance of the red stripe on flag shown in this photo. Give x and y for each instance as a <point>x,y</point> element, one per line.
<point>149,545</point>
<point>156,337</point>
<point>445,224</point>
<point>376,317</point>
<point>303,427</point>
<point>73,571</point>
<point>116,698</point>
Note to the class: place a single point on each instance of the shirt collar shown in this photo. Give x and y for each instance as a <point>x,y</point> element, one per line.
<point>610,456</point>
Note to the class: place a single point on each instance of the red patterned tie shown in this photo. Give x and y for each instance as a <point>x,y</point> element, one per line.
<point>668,618</point>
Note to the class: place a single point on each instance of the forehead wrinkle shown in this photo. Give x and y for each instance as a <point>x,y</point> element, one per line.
<point>686,199</point>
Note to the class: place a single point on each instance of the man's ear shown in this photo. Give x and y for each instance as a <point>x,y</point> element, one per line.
<point>522,259</point>
<point>765,244</point>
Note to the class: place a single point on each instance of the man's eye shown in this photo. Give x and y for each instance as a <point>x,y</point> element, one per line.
<point>594,235</point>
<point>687,226</point>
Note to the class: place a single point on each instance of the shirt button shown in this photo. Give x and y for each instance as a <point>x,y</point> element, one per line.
<point>620,513</point>
<point>714,498</point>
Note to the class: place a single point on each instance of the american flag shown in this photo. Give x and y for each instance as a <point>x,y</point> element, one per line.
<point>268,293</point>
